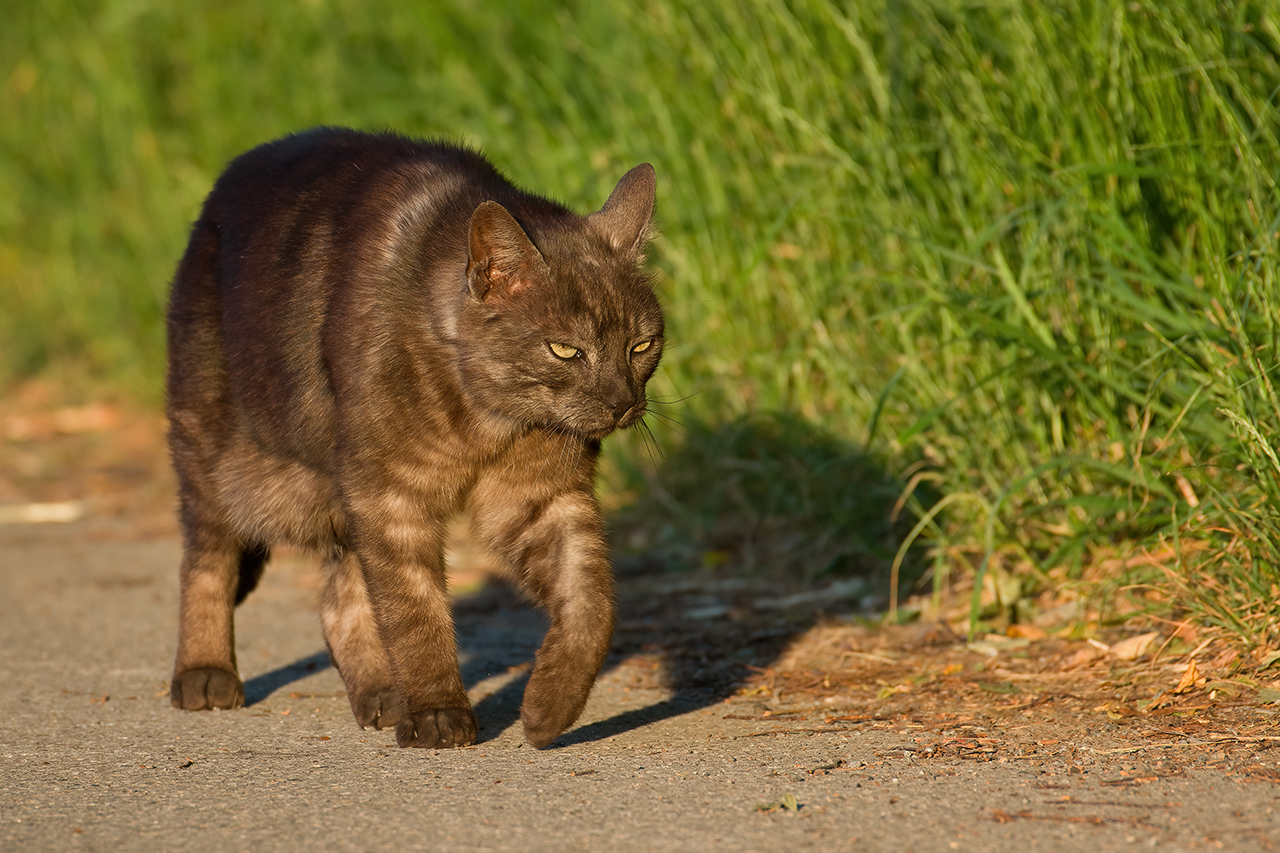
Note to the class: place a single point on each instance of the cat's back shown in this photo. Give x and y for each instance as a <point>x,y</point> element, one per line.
<point>333,213</point>
<point>326,175</point>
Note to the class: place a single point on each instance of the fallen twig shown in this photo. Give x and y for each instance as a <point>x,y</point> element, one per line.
<point>1001,816</point>
<point>1216,739</point>
<point>793,732</point>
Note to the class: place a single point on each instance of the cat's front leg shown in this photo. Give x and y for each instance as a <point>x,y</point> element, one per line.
<point>556,545</point>
<point>403,570</point>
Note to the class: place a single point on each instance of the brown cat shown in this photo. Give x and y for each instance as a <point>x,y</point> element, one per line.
<point>369,335</point>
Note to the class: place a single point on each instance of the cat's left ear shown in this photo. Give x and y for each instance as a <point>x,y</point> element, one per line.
<point>624,219</point>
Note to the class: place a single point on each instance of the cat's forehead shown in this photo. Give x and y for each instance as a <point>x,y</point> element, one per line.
<point>572,242</point>
<point>593,290</point>
<point>593,298</point>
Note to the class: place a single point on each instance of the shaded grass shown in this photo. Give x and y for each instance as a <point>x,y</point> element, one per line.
<point>1019,254</point>
<point>769,493</point>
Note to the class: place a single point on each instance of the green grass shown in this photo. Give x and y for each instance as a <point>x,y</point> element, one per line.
<point>1014,260</point>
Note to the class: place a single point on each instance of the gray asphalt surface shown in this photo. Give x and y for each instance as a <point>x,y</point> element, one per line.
<point>93,758</point>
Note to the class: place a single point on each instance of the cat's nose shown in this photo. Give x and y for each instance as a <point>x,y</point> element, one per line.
<point>620,408</point>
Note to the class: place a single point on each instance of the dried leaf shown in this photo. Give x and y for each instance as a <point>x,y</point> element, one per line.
<point>1160,700</point>
<point>1227,688</point>
<point>1225,659</point>
<point>1084,655</point>
<point>1135,647</point>
<point>1189,678</point>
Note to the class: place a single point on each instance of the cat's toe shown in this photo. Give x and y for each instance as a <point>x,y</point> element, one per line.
<point>437,728</point>
<point>377,709</point>
<point>206,688</point>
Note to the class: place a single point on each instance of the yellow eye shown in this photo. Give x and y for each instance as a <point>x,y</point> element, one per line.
<point>565,351</point>
<point>641,347</point>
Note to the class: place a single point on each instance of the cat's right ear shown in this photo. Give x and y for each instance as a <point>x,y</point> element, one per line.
<point>624,219</point>
<point>501,259</point>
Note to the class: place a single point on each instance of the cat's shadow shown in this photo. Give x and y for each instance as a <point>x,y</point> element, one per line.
<point>259,687</point>
<point>697,664</point>
<point>498,634</point>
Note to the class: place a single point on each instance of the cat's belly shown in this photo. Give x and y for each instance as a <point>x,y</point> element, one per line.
<point>270,500</point>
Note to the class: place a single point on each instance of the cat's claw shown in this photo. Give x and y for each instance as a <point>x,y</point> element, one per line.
<point>437,728</point>
<point>206,688</point>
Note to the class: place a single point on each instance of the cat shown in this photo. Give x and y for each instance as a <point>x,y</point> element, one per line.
<point>368,336</point>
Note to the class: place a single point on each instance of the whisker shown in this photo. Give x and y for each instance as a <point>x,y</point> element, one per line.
<point>650,441</point>
<point>542,469</point>
<point>670,421</point>
<point>567,445</point>
<point>657,488</point>
<point>556,430</point>
<point>672,402</point>
<point>577,447</point>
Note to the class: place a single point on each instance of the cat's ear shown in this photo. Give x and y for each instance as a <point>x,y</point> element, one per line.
<point>624,219</point>
<point>501,258</point>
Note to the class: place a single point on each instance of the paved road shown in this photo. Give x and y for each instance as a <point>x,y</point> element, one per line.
<point>93,758</point>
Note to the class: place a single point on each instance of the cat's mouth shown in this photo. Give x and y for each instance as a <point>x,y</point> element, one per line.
<point>601,427</point>
<point>631,417</point>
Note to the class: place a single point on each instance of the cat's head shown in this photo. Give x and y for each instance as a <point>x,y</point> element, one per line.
<point>561,327</point>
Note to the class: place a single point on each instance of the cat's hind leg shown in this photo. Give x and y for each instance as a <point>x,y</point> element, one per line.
<point>217,572</point>
<point>355,646</point>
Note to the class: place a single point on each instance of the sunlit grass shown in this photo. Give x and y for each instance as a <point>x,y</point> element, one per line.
<point>1020,255</point>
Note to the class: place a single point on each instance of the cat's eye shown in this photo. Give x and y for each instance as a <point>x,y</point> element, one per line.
<point>564,351</point>
<point>641,347</point>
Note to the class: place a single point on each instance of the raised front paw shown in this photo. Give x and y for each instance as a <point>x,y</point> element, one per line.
<point>552,704</point>
<point>206,688</point>
<point>544,722</point>
<point>437,728</point>
<point>378,708</point>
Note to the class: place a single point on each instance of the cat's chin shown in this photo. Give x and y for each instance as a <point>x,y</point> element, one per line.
<point>586,428</point>
<point>588,434</point>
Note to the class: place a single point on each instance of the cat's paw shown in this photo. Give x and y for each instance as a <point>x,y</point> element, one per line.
<point>376,709</point>
<point>551,705</point>
<point>544,724</point>
<point>206,688</point>
<point>437,728</point>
